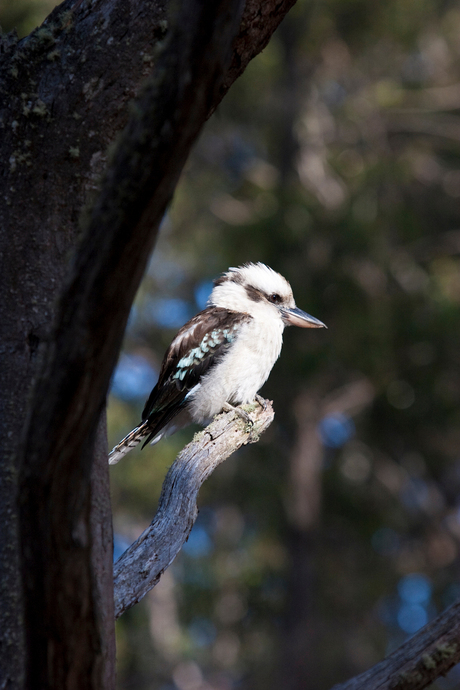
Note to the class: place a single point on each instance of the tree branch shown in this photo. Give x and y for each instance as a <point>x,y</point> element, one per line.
<point>430,653</point>
<point>141,566</point>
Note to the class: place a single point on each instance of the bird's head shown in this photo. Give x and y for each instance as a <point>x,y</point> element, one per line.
<point>258,290</point>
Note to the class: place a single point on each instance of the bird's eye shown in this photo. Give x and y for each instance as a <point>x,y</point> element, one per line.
<point>274,298</point>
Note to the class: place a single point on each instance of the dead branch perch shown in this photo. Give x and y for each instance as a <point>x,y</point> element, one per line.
<point>141,566</point>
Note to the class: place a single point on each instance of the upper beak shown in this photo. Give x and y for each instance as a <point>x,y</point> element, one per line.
<point>297,317</point>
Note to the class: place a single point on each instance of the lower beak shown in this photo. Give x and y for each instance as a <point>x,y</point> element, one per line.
<point>297,317</point>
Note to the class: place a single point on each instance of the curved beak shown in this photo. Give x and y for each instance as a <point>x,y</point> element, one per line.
<point>297,317</point>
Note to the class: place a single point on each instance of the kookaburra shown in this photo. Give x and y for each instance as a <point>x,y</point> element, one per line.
<point>222,356</point>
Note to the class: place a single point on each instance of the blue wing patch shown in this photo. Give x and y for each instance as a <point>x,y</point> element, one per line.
<point>197,347</point>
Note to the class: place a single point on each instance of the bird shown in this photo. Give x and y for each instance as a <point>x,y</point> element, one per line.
<point>222,356</point>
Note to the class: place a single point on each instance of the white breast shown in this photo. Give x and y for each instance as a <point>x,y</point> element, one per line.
<point>242,371</point>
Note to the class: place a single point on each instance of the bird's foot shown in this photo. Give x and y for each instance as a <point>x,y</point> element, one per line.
<point>241,413</point>
<point>262,402</point>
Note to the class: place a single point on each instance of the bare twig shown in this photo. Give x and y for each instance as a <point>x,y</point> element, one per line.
<point>141,566</point>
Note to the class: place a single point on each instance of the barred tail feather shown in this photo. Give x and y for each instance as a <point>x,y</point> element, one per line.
<point>129,442</point>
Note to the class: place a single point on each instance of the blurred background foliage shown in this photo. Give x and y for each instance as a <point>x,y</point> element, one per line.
<point>335,159</point>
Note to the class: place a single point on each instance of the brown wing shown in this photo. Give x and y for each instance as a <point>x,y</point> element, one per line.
<point>197,347</point>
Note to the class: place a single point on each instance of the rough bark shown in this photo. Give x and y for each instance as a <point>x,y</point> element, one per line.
<point>64,642</point>
<point>139,569</point>
<point>102,555</point>
<point>54,87</point>
<point>63,97</point>
<point>64,91</point>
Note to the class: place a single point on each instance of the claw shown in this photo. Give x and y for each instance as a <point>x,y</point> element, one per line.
<point>241,413</point>
<point>262,402</point>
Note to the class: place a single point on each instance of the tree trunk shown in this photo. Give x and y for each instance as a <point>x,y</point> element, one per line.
<point>64,91</point>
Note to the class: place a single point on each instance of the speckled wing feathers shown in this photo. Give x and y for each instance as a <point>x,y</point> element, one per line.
<point>197,347</point>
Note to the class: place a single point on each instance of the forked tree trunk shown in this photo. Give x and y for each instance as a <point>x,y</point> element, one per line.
<point>63,98</point>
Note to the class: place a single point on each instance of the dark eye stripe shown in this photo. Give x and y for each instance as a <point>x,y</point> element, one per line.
<point>252,293</point>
